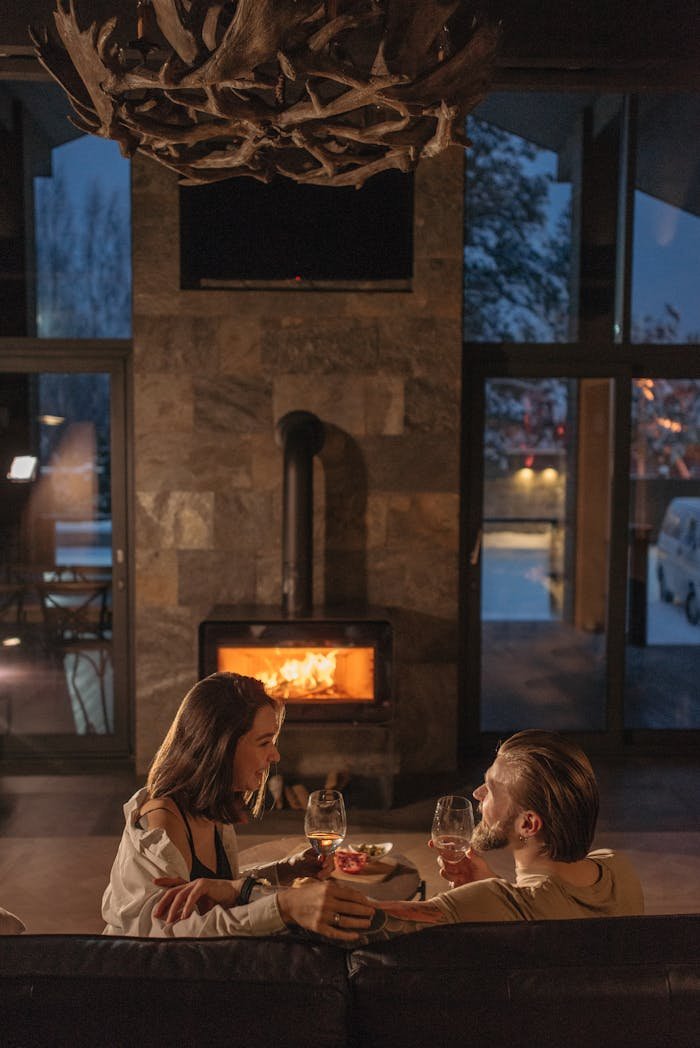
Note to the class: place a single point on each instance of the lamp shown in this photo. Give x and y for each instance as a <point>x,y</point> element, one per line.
<point>23,469</point>
<point>323,93</point>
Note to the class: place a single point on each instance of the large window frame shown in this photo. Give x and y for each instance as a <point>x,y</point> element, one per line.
<point>620,360</point>
<point>113,357</point>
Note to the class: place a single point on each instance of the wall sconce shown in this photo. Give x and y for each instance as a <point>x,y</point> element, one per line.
<point>23,469</point>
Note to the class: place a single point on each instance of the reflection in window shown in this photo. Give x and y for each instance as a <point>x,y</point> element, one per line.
<point>663,614</point>
<point>518,235</point>
<point>56,556</point>
<point>666,262</point>
<point>83,243</point>
<point>525,467</point>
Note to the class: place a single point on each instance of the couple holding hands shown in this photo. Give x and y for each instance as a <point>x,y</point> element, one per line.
<point>176,872</point>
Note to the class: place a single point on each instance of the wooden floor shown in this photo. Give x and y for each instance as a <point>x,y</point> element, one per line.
<point>59,834</point>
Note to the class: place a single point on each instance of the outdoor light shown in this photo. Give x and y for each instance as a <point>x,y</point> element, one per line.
<point>11,642</point>
<point>549,475</point>
<point>23,469</point>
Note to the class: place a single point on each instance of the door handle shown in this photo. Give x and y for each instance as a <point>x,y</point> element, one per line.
<point>476,550</point>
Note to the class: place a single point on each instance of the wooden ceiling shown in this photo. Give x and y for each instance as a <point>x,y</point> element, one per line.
<point>623,44</point>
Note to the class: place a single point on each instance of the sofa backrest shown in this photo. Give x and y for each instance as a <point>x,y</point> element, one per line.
<point>72,991</point>
<point>627,982</point>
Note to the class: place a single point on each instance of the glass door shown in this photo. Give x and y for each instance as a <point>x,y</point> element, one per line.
<point>62,556</point>
<point>663,606</point>
<point>543,558</point>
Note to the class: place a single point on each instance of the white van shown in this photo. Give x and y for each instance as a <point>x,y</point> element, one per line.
<point>678,556</point>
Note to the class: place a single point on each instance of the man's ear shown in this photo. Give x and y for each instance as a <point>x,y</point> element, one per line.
<point>528,824</point>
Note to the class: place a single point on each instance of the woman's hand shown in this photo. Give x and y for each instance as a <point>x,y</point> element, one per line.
<point>181,898</point>
<point>330,909</point>
<point>467,870</point>
<point>304,863</point>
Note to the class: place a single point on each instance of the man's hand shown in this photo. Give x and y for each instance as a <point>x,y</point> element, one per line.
<point>181,898</point>
<point>467,870</point>
<point>330,909</point>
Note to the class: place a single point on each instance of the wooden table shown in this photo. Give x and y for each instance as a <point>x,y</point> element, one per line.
<point>404,883</point>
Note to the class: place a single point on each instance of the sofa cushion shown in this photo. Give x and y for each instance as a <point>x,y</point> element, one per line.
<point>75,990</point>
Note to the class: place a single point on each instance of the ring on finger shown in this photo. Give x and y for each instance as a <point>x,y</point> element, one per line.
<point>336,919</point>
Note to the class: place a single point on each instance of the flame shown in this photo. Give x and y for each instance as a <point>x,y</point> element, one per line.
<point>312,675</point>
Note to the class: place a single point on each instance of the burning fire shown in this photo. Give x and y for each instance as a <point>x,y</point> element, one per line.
<point>312,675</point>
<point>305,673</point>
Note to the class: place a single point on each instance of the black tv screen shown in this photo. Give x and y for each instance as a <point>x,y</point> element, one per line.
<point>244,230</point>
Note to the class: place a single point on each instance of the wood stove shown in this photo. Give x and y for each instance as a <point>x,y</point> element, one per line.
<point>326,667</point>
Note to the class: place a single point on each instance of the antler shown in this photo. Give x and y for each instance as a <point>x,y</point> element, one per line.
<point>326,93</point>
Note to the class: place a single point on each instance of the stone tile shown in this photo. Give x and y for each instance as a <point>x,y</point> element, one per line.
<point>245,521</point>
<point>345,521</point>
<point>429,519</point>
<point>384,406</point>
<point>377,509</point>
<point>432,582</point>
<point>268,576</point>
<point>208,577</point>
<point>427,712</point>
<point>414,462</point>
<point>166,656</point>
<point>232,404</point>
<point>432,407</point>
<point>156,577</point>
<point>160,463</point>
<point>216,466</point>
<point>386,576</point>
<point>163,403</point>
<point>175,519</point>
<point>174,344</point>
<point>345,578</point>
<point>239,345</point>
<point>336,398</point>
<point>439,206</point>
<point>266,463</point>
<point>340,345</point>
<point>425,347</point>
<point>424,637</point>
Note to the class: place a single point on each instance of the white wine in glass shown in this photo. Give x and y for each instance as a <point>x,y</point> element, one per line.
<point>324,823</point>
<point>453,825</point>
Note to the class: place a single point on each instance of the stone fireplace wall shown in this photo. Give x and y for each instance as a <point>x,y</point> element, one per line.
<point>213,371</point>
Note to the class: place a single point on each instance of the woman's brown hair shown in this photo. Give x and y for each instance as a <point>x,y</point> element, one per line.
<point>194,763</point>
<point>553,777</point>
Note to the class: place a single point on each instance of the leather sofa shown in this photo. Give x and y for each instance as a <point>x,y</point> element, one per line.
<point>630,981</point>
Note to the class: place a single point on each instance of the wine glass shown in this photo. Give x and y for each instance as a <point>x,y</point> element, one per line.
<point>453,825</point>
<point>324,823</point>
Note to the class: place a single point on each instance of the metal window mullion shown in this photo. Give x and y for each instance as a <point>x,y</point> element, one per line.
<point>625,221</point>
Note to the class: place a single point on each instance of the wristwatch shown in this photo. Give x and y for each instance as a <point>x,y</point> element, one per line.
<point>246,888</point>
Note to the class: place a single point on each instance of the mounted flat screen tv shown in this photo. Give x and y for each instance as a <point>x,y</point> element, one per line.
<point>241,232</point>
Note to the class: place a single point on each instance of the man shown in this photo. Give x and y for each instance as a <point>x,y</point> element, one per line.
<point>539,801</point>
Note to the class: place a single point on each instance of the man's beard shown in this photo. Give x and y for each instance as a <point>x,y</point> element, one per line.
<point>490,838</point>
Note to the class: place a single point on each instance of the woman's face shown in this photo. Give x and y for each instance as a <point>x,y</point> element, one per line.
<point>256,750</point>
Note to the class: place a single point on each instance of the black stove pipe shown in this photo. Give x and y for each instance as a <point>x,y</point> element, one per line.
<point>300,434</point>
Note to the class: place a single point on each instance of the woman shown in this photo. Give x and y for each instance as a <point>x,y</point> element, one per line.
<point>176,871</point>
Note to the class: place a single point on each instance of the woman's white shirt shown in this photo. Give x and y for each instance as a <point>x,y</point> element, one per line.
<point>131,896</point>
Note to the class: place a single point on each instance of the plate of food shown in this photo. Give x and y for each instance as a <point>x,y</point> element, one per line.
<point>365,860</point>
<point>372,851</point>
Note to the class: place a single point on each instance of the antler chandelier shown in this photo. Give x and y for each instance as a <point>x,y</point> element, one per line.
<point>325,93</point>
